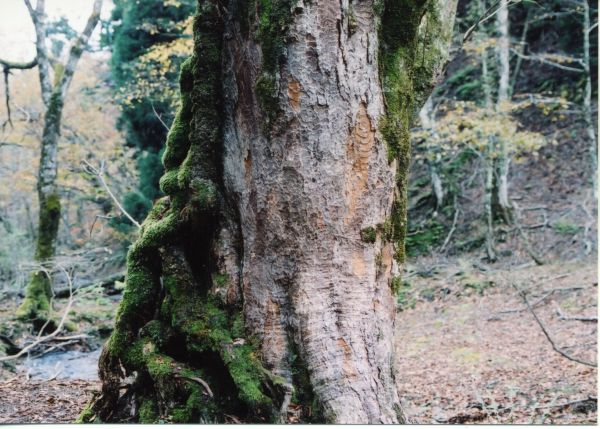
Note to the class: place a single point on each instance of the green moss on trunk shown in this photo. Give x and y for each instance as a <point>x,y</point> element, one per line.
<point>398,46</point>
<point>172,331</point>
<point>272,19</point>
<point>36,305</point>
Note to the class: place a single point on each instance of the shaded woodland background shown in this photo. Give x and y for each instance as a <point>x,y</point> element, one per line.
<point>469,349</point>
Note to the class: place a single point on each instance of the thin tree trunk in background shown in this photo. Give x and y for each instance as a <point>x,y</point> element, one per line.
<point>489,162</point>
<point>523,49</point>
<point>35,306</point>
<point>489,216</point>
<point>428,123</point>
<point>501,201</point>
<point>272,259</point>
<point>587,98</point>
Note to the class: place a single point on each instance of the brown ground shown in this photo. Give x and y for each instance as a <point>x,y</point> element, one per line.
<point>57,401</point>
<point>461,360</point>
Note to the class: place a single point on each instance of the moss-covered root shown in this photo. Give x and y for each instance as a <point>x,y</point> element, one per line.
<point>139,304</point>
<point>165,390</point>
<point>36,305</point>
<point>210,327</point>
<point>179,395</point>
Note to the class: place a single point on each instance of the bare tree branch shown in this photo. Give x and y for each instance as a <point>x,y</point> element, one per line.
<point>40,339</point>
<point>99,173</point>
<point>158,116</point>
<point>18,66</point>
<point>77,48</point>
<point>548,62</point>
<point>6,68</point>
<point>486,16</point>
<point>39,23</point>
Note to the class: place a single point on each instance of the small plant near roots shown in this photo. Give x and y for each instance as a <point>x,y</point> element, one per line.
<point>566,227</point>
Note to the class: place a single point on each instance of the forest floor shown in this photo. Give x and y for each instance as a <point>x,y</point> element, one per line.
<point>468,350</point>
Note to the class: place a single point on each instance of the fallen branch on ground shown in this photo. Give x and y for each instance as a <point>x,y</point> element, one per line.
<point>562,316</point>
<point>591,404</point>
<point>539,322</point>
<point>106,283</point>
<point>548,294</point>
<point>41,339</point>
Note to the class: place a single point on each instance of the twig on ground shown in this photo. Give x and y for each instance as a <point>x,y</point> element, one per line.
<point>562,316</point>
<point>548,337</point>
<point>589,401</point>
<point>581,346</point>
<point>53,334</point>
<point>547,294</point>
<point>54,376</point>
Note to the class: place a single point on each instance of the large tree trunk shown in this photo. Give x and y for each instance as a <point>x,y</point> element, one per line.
<point>265,278</point>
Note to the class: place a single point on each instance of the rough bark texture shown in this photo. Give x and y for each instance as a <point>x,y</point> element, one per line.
<point>490,149</point>
<point>38,293</point>
<point>501,204</point>
<point>271,261</point>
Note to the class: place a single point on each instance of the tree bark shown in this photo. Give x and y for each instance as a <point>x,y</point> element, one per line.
<point>501,204</point>
<point>426,115</point>
<point>36,305</point>
<point>489,162</point>
<point>272,261</point>
<point>587,98</point>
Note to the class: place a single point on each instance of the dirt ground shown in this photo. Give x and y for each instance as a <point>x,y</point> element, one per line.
<point>468,350</point>
<point>57,401</point>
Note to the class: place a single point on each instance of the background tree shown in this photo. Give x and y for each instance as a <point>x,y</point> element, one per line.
<point>38,292</point>
<point>265,277</point>
<point>150,39</point>
<point>547,89</point>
